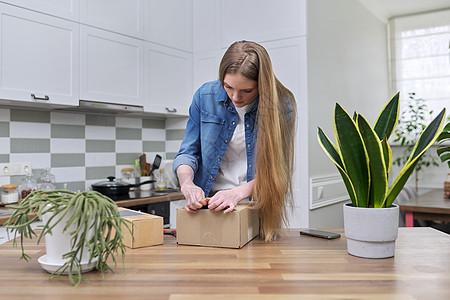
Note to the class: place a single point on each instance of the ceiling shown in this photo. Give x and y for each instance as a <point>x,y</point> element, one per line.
<point>386,9</point>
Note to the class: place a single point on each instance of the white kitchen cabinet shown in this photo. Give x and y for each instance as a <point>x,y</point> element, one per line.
<point>169,23</point>
<point>206,67</point>
<point>122,16</point>
<point>111,66</point>
<point>168,80</point>
<point>39,55</point>
<point>67,9</point>
<point>269,20</point>
<point>206,25</point>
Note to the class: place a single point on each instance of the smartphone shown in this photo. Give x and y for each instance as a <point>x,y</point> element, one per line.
<point>321,234</point>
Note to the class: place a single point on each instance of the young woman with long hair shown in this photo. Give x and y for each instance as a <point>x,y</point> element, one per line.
<point>239,140</point>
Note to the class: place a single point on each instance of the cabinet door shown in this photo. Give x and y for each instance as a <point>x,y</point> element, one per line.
<point>39,55</point>
<point>169,23</point>
<point>67,9</point>
<point>276,21</point>
<point>168,80</point>
<point>122,16</point>
<point>111,67</point>
<point>206,25</point>
<point>206,67</point>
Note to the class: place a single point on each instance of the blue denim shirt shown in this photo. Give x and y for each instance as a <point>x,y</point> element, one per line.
<point>212,120</point>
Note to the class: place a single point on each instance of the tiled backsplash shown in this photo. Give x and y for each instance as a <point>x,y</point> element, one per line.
<point>82,149</point>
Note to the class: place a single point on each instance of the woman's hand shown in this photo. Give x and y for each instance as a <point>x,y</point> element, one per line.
<point>195,197</point>
<point>226,199</point>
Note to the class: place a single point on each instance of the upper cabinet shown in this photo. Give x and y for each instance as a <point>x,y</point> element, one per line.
<point>66,9</point>
<point>279,21</point>
<point>168,80</point>
<point>39,57</point>
<point>169,23</point>
<point>206,25</point>
<point>111,67</point>
<point>122,16</point>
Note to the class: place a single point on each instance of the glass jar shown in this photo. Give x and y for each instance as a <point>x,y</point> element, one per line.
<point>10,194</point>
<point>28,185</point>
<point>47,180</point>
<point>447,187</point>
<point>161,181</point>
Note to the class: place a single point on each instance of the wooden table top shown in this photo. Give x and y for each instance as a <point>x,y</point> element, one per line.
<point>429,202</point>
<point>295,267</point>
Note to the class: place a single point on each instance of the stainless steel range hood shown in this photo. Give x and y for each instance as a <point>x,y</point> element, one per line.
<point>86,106</point>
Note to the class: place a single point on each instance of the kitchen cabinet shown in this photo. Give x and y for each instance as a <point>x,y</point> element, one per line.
<point>39,57</point>
<point>169,23</point>
<point>112,67</point>
<point>168,80</point>
<point>67,9</point>
<point>121,16</point>
<point>276,22</point>
<point>206,67</point>
<point>206,25</point>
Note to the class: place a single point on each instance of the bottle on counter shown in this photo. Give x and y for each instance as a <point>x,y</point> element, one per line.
<point>47,180</point>
<point>28,185</point>
<point>10,194</point>
<point>161,182</point>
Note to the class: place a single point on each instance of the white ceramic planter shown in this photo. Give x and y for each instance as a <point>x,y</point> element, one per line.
<point>371,232</point>
<point>58,243</point>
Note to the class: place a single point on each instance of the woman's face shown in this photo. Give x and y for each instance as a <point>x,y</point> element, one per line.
<point>241,90</point>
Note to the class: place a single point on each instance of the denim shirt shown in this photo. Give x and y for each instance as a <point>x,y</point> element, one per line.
<point>212,120</point>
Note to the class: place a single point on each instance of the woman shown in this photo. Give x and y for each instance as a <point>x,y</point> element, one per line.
<point>239,139</point>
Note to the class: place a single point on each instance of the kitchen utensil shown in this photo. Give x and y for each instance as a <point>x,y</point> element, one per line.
<point>156,163</point>
<point>142,163</point>
<point>115,186</point>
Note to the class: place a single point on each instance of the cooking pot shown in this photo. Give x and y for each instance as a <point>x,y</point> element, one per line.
<point>114,186</point>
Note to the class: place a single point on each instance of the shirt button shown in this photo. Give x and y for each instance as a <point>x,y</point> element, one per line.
<point>248,145</point>
<point>248,125</point>
<point>250,165</point>
<point>211,177</point>
<point>234,123</point>
<point>226,141</point>
<point>218,159</point>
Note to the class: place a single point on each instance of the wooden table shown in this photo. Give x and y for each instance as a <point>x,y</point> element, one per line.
<point>432,206</point>
<point>296,267</point>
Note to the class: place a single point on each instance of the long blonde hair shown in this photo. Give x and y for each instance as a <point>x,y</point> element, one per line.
<point>276,120</point>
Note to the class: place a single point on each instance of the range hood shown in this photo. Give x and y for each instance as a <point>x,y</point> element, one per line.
<point>86,106</point>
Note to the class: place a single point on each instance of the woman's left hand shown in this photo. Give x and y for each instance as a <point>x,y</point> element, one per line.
<point>226,199</point>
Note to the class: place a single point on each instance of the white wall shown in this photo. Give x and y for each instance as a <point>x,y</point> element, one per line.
<point>347,63</point>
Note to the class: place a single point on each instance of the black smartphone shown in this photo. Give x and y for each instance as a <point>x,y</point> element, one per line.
<point>321,234</point>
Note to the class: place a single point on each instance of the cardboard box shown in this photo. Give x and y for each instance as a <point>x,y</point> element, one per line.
<point>147,229</point>
<point>216,229</point>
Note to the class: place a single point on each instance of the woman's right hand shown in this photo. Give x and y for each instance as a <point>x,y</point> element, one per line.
<point>195,197</point>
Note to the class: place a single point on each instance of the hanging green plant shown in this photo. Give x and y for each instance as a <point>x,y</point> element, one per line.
<point>96,219</point>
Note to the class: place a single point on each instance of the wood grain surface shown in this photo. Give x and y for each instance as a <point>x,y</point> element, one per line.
<point>295,267</point>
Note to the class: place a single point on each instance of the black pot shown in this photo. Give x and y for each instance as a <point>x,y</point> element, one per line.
<point>115,187</point>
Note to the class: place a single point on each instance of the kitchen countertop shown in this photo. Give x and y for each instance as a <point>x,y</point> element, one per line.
<point>143,197</point>
<point>295,267</point>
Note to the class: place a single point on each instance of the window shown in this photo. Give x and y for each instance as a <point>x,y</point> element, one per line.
<point>420,54</point>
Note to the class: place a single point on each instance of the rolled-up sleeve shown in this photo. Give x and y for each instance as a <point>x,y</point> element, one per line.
<point>190,150</point>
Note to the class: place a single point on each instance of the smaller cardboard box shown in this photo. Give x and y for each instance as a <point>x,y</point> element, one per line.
<point>147,229</point>
<point>216,229</point>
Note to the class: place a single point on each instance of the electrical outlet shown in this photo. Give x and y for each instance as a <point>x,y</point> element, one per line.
<point>15,169</point>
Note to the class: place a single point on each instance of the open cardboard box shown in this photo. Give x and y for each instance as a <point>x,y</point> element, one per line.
<point>216,229</point>
<point>147,229</point>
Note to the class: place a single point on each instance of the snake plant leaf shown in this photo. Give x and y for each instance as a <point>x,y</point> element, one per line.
<point>353,154</point>
<point>442,149</point>
<point>444,135</point>
<point>355,115</point>
<point>426,139</point>
<point>333,154</point>
<point>445,157</point>
<point>387,154</point>
<point>377,163</point>
<point>387,120</point>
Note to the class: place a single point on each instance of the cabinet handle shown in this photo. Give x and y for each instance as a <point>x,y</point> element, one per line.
<point>39,98</point>
<point>172,110</point>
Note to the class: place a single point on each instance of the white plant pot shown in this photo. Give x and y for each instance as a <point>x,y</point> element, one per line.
<point>59,243</point>
<point>371,232</point>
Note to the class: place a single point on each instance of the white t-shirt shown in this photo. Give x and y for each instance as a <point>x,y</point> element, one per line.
<point>233,169</point>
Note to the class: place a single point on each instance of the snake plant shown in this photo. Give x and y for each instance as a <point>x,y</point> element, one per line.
<point>364,158</point>
<point>444,150</point>
<point>87,207</point>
